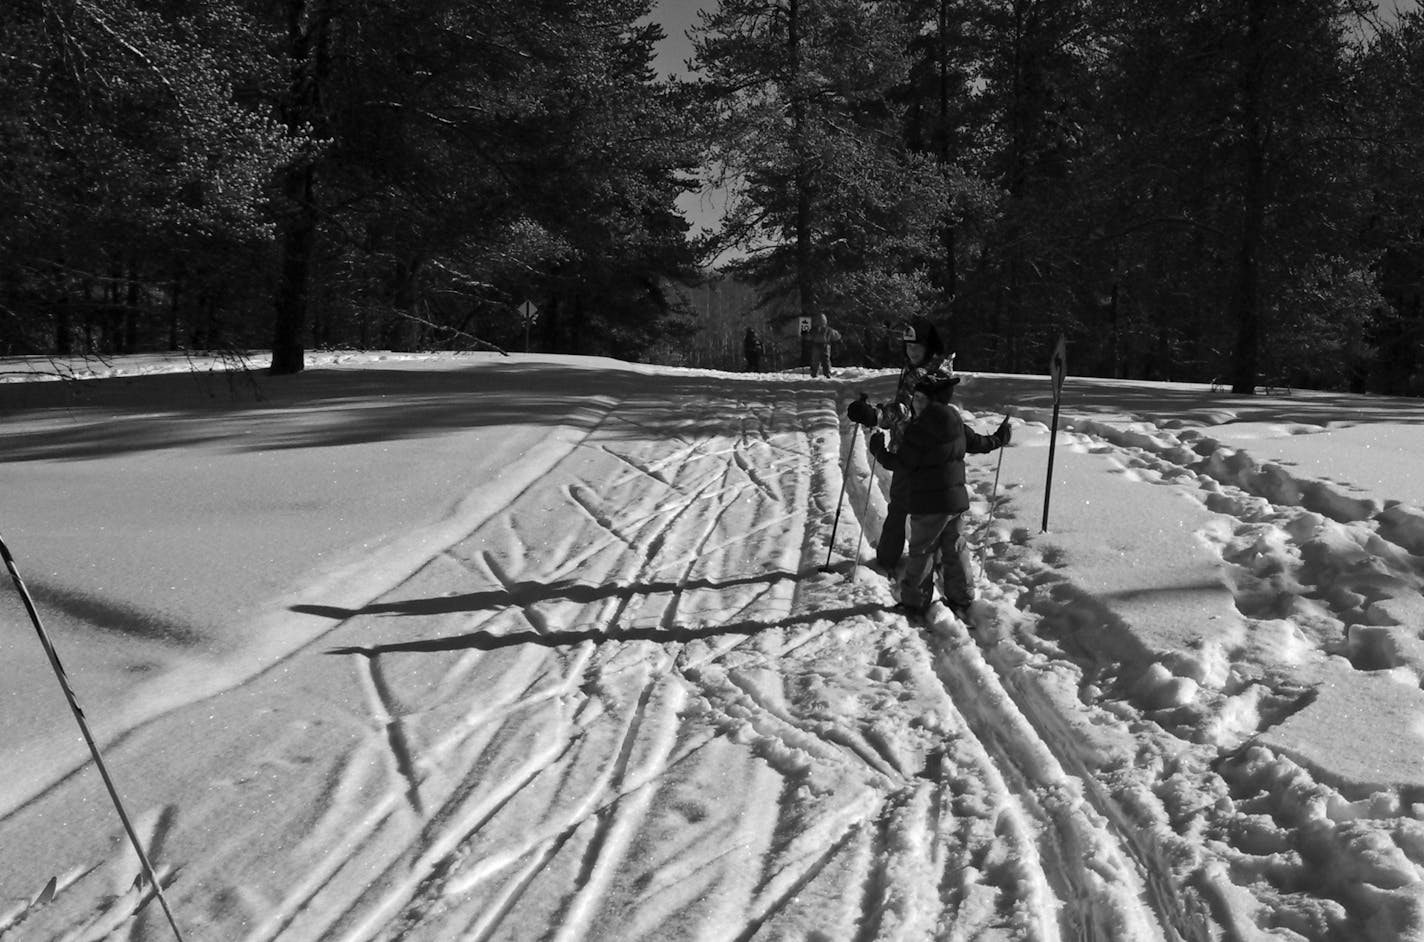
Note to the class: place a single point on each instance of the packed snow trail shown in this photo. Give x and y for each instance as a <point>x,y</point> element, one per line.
<point>629,705</point>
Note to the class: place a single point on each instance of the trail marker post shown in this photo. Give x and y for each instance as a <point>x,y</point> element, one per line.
<point>1058,369</point>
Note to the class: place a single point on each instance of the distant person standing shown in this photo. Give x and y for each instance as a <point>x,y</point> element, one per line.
<point>823,335</point>
<point>751,349</point>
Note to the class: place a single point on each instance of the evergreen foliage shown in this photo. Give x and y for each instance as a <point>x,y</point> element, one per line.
<point>240,172</point>
<point>1224,190</point>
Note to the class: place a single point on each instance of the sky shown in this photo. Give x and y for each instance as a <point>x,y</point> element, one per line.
<point>676,17</point>
<point>537,647</point>
<point>703,209</point>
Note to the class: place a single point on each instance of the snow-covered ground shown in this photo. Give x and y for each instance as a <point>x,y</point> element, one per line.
<point>471,647</point>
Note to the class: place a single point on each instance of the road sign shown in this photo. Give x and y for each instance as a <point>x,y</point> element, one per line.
<point>528,310</point>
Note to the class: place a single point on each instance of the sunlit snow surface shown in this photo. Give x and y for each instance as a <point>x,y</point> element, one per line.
<point>460,646</point>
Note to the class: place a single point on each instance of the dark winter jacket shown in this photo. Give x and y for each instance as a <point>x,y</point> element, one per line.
<point>931,459</point>
<point>895,414</point>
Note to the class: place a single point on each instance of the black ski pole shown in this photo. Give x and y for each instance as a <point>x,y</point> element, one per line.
<point>993,499</point>
<point>53,656</point>
<point>845,474</point>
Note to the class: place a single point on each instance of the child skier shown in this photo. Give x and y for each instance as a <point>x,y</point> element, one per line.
<point>924,354</point>
<point>931,460</point>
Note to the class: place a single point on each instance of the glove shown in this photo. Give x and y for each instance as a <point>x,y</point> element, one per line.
<point>877,443</point>
<point>1005,432</point>
<point>862,412</point>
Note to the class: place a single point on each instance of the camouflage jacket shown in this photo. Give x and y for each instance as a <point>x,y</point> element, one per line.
<point>896,414</point>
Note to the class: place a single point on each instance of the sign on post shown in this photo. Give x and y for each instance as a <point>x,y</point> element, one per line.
<point>527,311</point>
<point>1058,370</point>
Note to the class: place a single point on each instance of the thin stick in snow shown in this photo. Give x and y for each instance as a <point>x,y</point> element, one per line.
<point>88,737</point>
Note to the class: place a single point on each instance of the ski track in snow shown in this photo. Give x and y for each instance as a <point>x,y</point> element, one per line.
<point>530,723</point>
<point>1186,779</point>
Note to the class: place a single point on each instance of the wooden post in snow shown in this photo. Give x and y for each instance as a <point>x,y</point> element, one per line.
<point>1058,368</point>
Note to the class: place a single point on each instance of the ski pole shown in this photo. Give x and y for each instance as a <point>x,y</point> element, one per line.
<point>53,656</point>
<point>993,500</point>
<point>845,474</point>
<point>864,512</point>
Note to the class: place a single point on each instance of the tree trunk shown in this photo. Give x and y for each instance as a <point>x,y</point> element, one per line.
<point>947,233</point>
<point>63,313</point>
<point>1246,290</point>
<point>111,322</point>
<point>298,239</point>
<point>1115,334</point>
<point>401,332</point>
<point>130,332</point>
<point>805,248</point>
<point>307,23</point>
<point>549,324</point>
<point>173,308</point>
<point>578,325</point>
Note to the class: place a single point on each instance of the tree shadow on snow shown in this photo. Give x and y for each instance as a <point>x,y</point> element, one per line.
<point>332,407</point>
<point>488,641</point>
<point>524,594</point>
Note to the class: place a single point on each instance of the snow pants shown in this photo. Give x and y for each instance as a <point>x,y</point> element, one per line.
<point>931,536</point>
<point>821,358</point>
<point>891,545</point>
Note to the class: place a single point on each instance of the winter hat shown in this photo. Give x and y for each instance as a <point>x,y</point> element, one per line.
<point>938,385</point>
<point>920,330</point>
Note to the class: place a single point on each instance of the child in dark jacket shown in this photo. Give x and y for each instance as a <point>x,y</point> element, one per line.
<point>924,354</point>
<point>931,459</point>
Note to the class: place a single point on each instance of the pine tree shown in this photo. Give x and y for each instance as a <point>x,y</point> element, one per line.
<point>1240,157</point>
<point>483,154</point>
<point>134,145</point>
<point>838,214</point>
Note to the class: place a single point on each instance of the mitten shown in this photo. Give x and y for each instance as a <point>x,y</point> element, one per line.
<point>1005,432</point>
<point>862,412</point>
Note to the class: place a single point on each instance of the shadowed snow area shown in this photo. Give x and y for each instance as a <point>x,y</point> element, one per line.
<point>455,646</point>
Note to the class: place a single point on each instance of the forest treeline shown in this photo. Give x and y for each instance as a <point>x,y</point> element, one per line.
<point>1185,189</point>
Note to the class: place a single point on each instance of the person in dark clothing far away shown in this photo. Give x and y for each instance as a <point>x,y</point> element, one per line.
<point>751,350</point>
<point>931,460</point>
